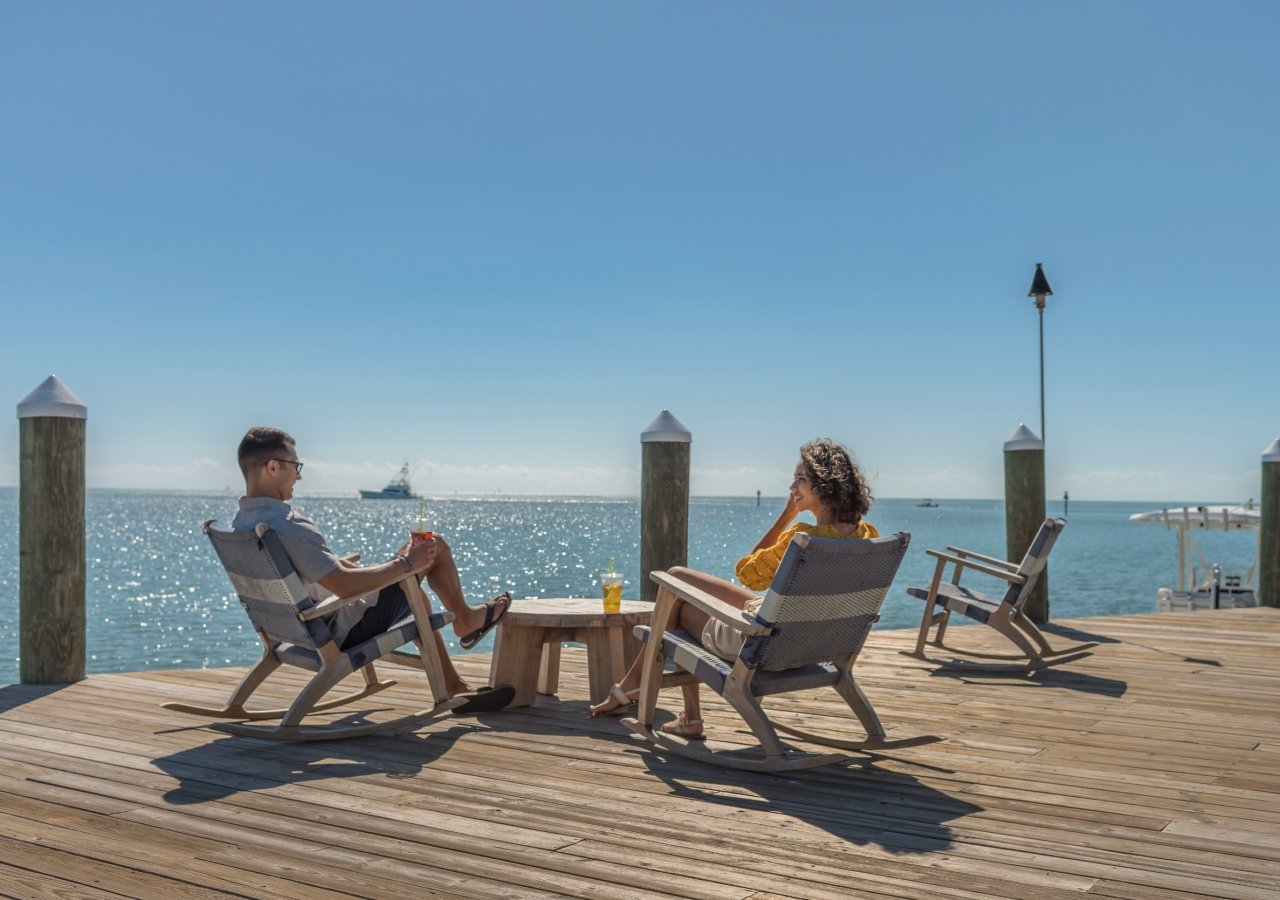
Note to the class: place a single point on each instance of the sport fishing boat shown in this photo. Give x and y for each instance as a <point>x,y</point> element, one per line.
<point>397,488</point>
<point>1201,584</point>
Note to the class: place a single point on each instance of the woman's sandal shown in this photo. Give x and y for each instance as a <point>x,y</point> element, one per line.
<point>624,699</point>
<point>680,726</point>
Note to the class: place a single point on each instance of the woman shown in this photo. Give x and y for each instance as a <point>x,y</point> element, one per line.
<point>827,484</point>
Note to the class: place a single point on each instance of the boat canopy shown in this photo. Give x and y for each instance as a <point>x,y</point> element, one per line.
<point>1210,518</point>
<point>1186,519</point>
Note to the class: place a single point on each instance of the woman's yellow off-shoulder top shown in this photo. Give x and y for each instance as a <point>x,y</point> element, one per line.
<point>756,570</point>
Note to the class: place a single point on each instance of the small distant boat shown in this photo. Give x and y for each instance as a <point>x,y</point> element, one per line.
<point>397,488</point>
<point>926,502</point>
<point>1201,584</point>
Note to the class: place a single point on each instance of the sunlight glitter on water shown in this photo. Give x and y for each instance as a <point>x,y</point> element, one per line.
<point>157,598</point>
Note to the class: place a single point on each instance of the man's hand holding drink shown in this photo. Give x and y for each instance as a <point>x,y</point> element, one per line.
<point>421,550</point>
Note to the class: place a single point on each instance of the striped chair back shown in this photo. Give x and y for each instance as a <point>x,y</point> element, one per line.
<point>824,598</point>
<point>269,588</point>
<point>1034,562</point>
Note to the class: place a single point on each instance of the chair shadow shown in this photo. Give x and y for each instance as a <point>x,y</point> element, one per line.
<point>1075,634</point>
<point>1068,679</point>
<point>856,801</point>
<point>234,764</point>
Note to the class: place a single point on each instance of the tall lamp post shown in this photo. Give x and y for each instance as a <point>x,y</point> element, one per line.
<point>1040,290</point>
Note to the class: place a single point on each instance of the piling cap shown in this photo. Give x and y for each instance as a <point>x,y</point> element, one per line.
<point>1272,453</point>
<point>54,400</point>
<point>666,429</point>
<point>1023,438</point>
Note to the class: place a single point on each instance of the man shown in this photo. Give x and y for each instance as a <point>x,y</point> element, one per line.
<point>269,460</point>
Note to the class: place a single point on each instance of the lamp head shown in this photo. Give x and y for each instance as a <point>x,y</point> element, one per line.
<point>1039,287</point>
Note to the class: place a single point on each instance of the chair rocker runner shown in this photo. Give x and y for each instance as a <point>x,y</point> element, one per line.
<point>290,624</point>
<point>1005,615</point>
<point>816,615</point>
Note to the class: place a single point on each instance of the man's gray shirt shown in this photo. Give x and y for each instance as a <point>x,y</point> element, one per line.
<point>308,552</point>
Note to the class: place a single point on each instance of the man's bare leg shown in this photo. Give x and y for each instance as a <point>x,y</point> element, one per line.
<point>453,683</point>
<point>444,582</point>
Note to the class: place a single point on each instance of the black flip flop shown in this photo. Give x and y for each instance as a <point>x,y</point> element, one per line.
<point>490,620</point>
<point>485,700</point>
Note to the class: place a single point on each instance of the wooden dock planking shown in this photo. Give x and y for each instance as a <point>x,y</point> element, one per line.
<point>1150,769</point>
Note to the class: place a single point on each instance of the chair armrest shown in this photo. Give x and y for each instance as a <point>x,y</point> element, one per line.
<point>333,604</point>
<point>961,562</point>
<point>355,557</point>
<point>982,557</point>
<point>712,606</point>
<point>326,607</point>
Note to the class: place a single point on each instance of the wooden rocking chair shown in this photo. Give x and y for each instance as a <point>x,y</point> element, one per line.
<point>293,633</point>
<point>1005,615</point>
<point>816,616</point>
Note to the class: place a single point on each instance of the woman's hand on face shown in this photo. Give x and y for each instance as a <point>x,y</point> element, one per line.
<point>792,509</point>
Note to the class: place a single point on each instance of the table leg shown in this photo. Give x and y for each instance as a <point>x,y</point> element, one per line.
<point>606,659</point>
<point>516,657</point>
<point>549,670</point>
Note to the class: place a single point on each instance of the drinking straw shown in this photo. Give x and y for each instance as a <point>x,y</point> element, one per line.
<point>422,511</point>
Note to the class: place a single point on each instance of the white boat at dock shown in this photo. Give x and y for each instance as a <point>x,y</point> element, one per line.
<point>1201,584</point>
<point>397,488</point>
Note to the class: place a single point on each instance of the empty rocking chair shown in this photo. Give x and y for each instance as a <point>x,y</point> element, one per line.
<point>1004,615</point>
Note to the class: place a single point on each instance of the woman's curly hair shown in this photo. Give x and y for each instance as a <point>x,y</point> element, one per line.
<point>836,479</point>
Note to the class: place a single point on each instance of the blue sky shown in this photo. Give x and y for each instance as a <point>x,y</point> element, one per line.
<point>498,239</point>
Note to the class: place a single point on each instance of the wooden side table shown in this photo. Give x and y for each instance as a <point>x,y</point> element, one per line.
<point>526,651</point>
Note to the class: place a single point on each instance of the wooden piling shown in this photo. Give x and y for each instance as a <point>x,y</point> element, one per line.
<point>1024,508</point>
<point>51,546</point>
<point>664,499</point>
<point>1269,532</point>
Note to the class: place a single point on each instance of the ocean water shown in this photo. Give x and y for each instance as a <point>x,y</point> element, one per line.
<point>157,597</point>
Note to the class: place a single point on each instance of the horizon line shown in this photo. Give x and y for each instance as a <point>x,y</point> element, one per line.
<point>504,495</point>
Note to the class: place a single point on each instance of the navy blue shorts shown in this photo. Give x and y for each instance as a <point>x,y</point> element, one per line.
<point>392,606</point>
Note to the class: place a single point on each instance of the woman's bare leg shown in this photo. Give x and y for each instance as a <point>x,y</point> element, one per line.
<point>630,681</point>
<point>693,620</point>
<point>687,618</point>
